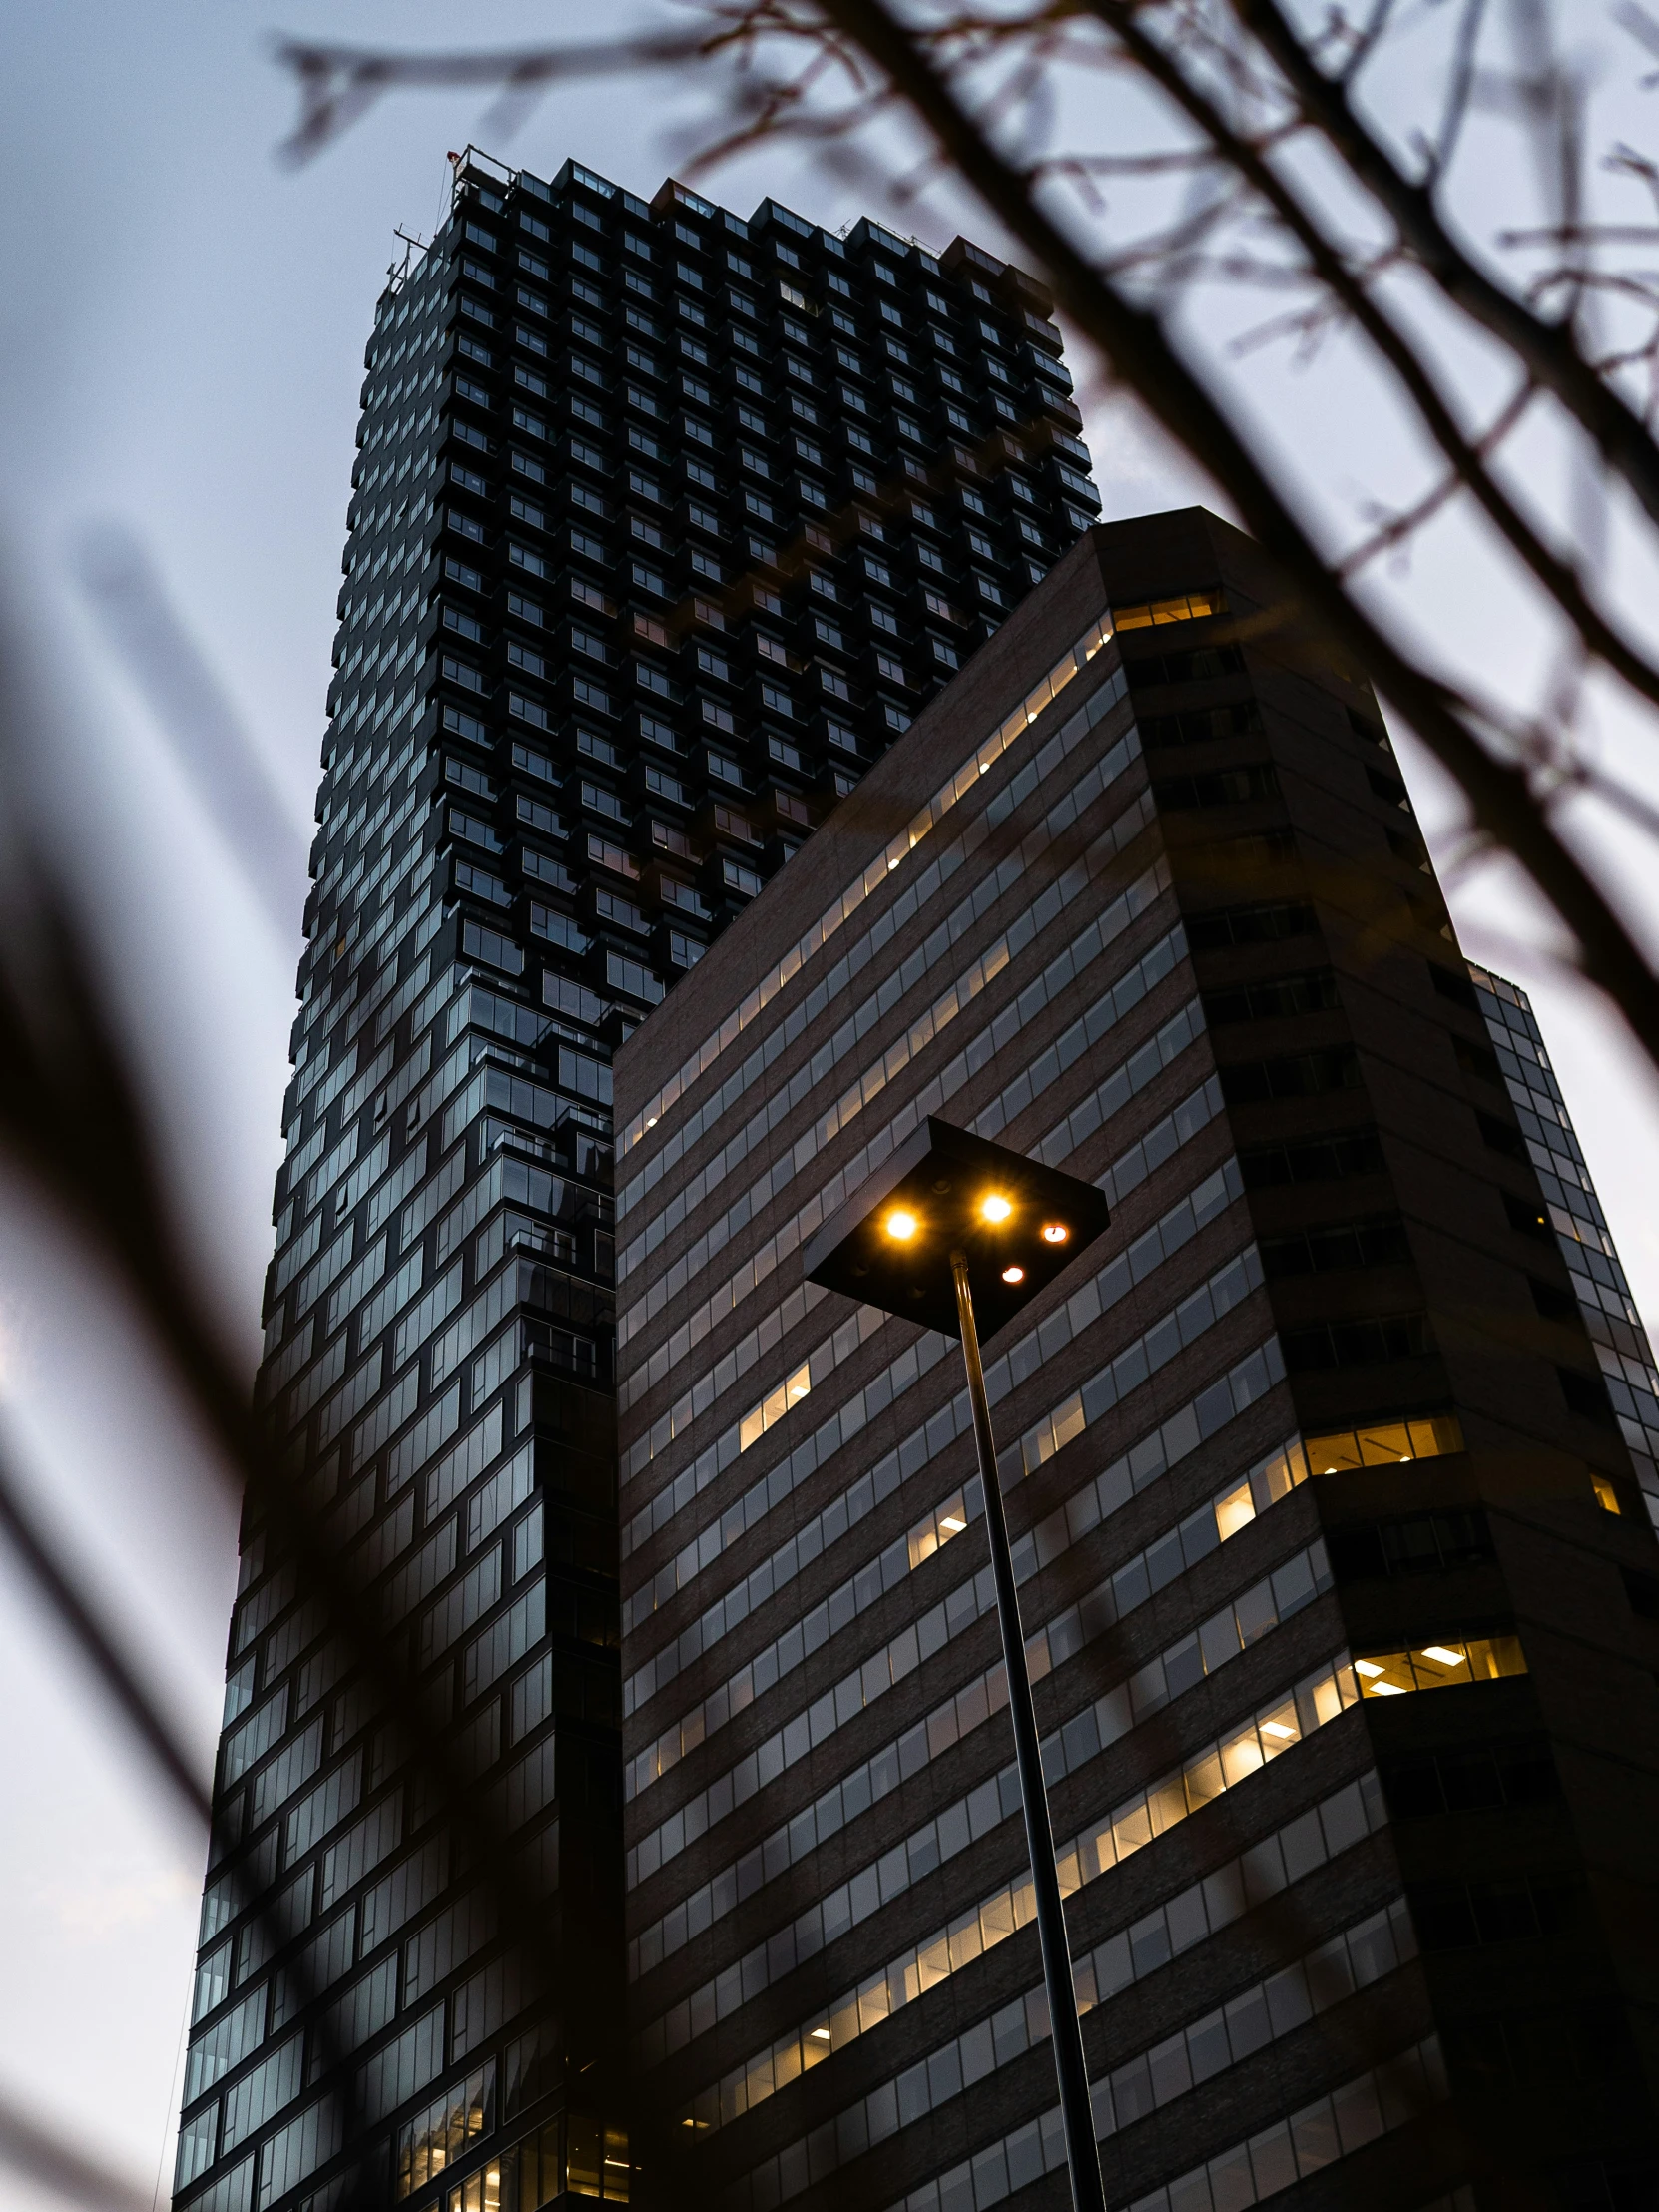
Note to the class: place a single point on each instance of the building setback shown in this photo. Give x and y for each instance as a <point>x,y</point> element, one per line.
<point>664,525</point>
<point>1337,1585</point>
<point>1580,1226</point>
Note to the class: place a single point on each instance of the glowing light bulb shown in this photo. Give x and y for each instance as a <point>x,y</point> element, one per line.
<point>1441,1656</point>
<point>1013,1275</point>
<point>1055,1232</point>
<point>996,1208</point>
<point>901,1224</point>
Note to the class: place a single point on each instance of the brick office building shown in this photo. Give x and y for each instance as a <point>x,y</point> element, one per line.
<point>1312,1433</point>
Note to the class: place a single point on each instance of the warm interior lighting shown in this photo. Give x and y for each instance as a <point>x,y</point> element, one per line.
<point>1275,1728</point>
<point>1013,1275</point>
<point>901,1224</point>
<point>1439,1666</point>
<point>951,1523</point>
<point>1055,1232</point>
<point>1386,1444</point>
<point>996,1207</point>
<point>821,2035</point>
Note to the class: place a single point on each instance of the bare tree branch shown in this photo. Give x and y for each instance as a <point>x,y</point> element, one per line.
<point>1467,459</point>
<point>1132,340</point>
<point>1546,349</point>
<point>340,84</point>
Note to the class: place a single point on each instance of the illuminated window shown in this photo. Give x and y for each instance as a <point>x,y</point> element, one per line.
<point>1271,1479</point>
<point>774,1406</point>
<point>1438,1666</point>
<point>1383,1444</point>
<point>1606,1497</point>
<point>480,2193</point>
<point>935,1529</point>
<point>434,2138</point>
<point>1190,609</point>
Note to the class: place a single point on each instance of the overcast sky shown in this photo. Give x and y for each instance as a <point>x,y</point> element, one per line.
<point>182,331</point>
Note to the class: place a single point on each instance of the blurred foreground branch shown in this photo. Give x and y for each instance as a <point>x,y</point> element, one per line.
<point>74,1126</point>
<point>214,748</point>
<point>61,1588</point>
<point>62,2168</point>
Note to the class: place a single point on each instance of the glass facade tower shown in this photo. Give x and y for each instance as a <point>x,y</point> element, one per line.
<point>664,525</point>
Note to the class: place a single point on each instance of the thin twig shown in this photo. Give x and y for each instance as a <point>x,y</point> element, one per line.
<point>1499,793</point>
<point>1547,350</point>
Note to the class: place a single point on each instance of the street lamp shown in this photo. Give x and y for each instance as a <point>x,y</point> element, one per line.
<point>950,1225</point>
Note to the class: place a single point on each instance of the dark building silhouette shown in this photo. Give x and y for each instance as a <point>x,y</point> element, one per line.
<point>1338,1582</point>
<point>664,525</point>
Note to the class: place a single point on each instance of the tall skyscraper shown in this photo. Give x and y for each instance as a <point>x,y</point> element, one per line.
<point>1337,1584</point>
<point>666,526</point>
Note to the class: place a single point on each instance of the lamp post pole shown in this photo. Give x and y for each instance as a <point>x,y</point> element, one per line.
<point>1082,2156</point>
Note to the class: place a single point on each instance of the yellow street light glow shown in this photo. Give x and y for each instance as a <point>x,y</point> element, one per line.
<point>1013,1275</point>
<point>996,1207</point>
<point>1442,1657</point>
<point>901,1224</point>
<point>1055,1232</point>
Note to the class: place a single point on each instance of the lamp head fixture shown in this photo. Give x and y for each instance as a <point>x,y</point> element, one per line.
<point>1016,1224</point>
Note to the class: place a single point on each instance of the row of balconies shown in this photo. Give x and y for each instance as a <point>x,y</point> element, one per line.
<point>1000,460</point>
<point>751,673</point>
<point>901,566</point>
<point>498,261</point>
